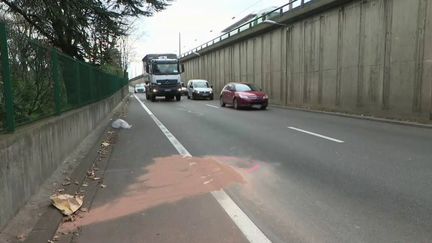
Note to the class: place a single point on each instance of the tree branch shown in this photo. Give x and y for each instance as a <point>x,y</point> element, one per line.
<point>18,10</point>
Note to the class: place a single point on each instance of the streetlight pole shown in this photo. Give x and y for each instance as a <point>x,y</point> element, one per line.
<point>179,43</point>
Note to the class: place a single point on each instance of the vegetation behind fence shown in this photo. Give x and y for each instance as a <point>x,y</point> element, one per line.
<point>38,81</point>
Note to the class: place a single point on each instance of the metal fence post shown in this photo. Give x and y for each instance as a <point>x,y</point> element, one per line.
<point>56,79</point>
<point>78,82</point>
<point>7,80</point>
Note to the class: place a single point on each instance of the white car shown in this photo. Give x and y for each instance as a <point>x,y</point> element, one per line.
<point>199,88</point>
<point>139,88</point>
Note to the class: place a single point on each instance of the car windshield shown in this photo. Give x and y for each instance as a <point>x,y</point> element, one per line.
<point>245,87</point>
<point>201,85</point>
<point>165,68</point>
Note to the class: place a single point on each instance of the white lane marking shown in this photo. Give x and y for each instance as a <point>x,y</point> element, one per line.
<point>182,150</point>
<point>317,135</point>
<point>249,229</point>
<point>243,222</point>
<point>217,107</point>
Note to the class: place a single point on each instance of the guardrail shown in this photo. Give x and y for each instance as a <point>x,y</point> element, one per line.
<point>38,81</point>
<point>250,24</point>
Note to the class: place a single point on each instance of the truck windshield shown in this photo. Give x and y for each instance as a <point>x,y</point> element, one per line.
<point>165,68</point>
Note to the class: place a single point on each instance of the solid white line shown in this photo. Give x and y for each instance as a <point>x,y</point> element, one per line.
<point>243,222</point>
<point>317,135</point>
<point>182,150</point>
<point>249,229</point>
<point>212,106</point>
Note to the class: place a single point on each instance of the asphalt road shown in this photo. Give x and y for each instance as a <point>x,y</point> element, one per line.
<point>311,177</point>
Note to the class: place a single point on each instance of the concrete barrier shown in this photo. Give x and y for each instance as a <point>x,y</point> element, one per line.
<point>30,155</point>
<point>371,57</point>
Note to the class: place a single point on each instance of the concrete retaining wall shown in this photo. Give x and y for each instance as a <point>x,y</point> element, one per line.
<point>369,57</point>
<point>33,152</point>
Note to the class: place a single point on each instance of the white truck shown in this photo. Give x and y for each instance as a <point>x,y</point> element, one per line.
<point>163,76</point>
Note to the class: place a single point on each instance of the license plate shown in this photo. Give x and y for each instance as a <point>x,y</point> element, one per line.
<point>167,90</point>
<point>256,106</point>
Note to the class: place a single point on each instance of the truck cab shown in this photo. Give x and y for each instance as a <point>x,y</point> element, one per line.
<point>164,79</point>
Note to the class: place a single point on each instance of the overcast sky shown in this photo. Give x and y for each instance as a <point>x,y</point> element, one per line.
<point>198,21</point>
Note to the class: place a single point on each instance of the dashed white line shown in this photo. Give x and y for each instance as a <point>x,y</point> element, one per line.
<point>317,135</point>
<point>243,222</point>
<point>217,107</point>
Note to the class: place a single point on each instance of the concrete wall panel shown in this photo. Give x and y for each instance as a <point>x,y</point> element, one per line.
<point>371,40</point>
<point>329,57</point>
<point>258,61</point>
<point>349,48</point>
<point>250,77</point>
<point>403,55</point>
<point>312,57</point>
<point>275,66</point>
<point>266,64</point>
<point>297,63</point>
<point>427,68</point>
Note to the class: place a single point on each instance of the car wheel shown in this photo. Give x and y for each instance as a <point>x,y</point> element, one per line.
<point>222,104</point>
<point>188,97</point>
<point>178,97</point>
<point>211,97</point>
<point>153,98</point>
<point>263,107</point>
<point>235,104</point>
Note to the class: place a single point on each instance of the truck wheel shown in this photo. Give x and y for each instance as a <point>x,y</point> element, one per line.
<point>178,97</point>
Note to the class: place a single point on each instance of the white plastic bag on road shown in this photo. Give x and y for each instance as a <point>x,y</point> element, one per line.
<point>119,123</point>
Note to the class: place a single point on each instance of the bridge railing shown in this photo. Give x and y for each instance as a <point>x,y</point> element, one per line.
<point>38,81</point>
<point>292,4</point>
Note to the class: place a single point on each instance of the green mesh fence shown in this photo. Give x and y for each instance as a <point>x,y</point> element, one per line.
<point>2,101</point>
<point>38,81</point>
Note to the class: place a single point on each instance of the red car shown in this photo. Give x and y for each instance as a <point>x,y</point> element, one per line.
<point>243,95</point>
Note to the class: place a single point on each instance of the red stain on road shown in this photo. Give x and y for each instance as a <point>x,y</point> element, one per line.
<point>253,169</point>
<point>168,180</point>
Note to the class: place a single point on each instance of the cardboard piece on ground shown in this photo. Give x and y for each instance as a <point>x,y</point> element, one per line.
<point>66,203</point>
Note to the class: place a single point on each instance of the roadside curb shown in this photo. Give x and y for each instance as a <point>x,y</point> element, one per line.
<point>363,117</point>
